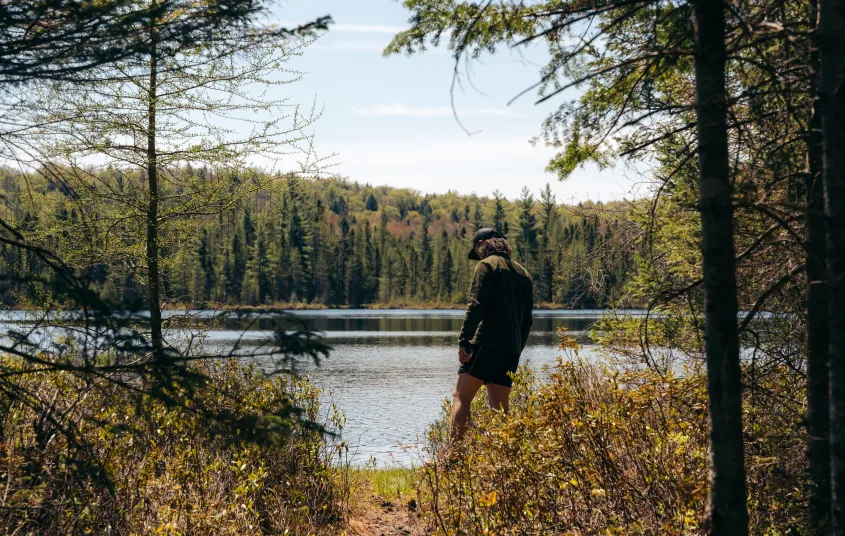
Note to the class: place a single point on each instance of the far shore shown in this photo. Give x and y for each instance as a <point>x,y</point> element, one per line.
<point>298,306</point>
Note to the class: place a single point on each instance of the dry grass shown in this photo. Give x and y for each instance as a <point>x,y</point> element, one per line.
<point>596,452</point>
<point>138,466</point>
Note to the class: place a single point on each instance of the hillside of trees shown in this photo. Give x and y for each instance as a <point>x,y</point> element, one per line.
<point>322,242</point>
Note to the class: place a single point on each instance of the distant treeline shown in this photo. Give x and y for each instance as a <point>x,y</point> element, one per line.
<point>322,242</point>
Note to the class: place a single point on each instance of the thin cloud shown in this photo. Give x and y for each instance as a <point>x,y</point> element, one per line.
<point>359,46</point>
<point>367,28</point>
<point>478,164</point>
<point>402,110</point>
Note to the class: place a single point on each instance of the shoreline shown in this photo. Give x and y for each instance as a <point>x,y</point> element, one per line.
<point>183,306</point>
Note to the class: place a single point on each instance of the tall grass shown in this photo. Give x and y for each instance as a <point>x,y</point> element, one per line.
<point>388,482</point>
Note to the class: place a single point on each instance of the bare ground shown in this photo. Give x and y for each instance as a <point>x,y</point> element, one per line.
<point>374,515</point>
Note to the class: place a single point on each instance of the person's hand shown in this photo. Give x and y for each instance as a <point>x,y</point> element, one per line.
<point>463,355</point>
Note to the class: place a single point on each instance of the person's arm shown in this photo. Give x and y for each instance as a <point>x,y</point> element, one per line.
<point>482,282</point>
<point>527,314</point>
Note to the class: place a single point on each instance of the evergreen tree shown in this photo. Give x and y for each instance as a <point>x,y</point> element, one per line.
<point>413,272</point>
<point>527,244</point>
<point>207,268</point>
<point>545,281</point>
<point>226,290</point>
<point>477,216</point>
<point>355,279</point>
<point>446,275</point>
<point>264,277</point>
<point>426,259</point>
<point>371,267</point>
<point>500,222</point>
<point>248,228</point>
<point>239,259</point>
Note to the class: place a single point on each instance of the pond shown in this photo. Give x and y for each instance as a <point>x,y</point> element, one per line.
<point>390,370</point>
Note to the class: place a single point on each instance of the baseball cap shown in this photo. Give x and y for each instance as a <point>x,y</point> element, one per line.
<point>482,234</point>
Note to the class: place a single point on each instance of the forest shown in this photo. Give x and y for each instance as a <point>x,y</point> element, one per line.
<point>316,242</point>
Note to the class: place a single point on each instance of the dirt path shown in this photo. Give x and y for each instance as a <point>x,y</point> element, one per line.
<point>374,515</point>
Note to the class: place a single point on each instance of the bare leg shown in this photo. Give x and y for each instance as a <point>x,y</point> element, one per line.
<point>465,390</point>
<point>498,396</point>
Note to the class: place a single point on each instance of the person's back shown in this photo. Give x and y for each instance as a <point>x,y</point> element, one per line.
<point>495,329</point>
<point>503,292</point>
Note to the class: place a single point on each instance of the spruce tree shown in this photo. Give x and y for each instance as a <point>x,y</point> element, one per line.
<point>239,259</point>
<point>500,223</point>
<point>527,244</point>
<point>545,281</point>
<point>477,215</point>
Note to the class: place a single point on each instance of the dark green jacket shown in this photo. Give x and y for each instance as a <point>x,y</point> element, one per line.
<point>500,302</point>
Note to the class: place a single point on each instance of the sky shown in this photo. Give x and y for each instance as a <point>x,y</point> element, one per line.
<point>389,121</point>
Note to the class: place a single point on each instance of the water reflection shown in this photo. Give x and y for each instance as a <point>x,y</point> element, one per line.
<point>443,321</point>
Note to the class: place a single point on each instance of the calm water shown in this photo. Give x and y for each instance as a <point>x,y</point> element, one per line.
<point>390,371</point>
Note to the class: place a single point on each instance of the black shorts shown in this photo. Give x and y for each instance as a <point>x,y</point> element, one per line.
<point>491,366</point>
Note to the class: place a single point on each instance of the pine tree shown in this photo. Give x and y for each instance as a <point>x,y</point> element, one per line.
<point>238,268</point>
<point>446,275</point>
<point>499,218</point>
<point>477,216</point>
<point>426,258</point>
<point>207,268</point>
<point>527,245</point>
<point>545,281</point>
<point>355,280</point>
<point>227,287</point>
<point>371,267</point>
<point>248,229</point>
<point>319,279</point>
<point>413,272</point>
<point>264,276</point>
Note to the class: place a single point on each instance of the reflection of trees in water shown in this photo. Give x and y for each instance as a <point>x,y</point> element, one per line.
<point>434,340</point>
<point>401,324</point>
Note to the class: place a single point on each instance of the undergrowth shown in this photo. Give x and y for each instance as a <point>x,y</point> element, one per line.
<point>593,451</point>
<point>133,465</point>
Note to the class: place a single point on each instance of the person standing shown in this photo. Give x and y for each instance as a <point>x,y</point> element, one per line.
<point>496,326</point>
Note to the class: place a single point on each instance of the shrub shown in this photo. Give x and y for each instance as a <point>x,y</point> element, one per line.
<point>592,451</point>
<point>135,465</point>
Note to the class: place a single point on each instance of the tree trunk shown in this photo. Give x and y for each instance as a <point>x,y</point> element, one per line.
<point>153,276</point>
<point>818,334</point>
<point>726,510</point>
<point>831,34</point>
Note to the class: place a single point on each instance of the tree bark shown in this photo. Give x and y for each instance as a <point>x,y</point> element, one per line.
<point>153,275</point>
<point>831,35</point>
<point>818,334</point>
<point>727,513</point>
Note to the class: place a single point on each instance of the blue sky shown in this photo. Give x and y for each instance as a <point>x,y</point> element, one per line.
<point>390,120</point>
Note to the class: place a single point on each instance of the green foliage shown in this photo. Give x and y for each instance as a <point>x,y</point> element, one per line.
<point>575,154</point>
<point>134,465</point>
